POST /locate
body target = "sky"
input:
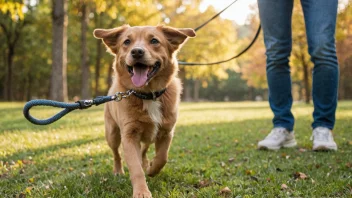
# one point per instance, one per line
(238, 12)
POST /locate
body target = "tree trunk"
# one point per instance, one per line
(58, 82)
(109, 78)
(98, 58)
(341, 90)
(196, 90)
(300, 91)
(85, 92)
(29, 88)
(187, 92)
(3, 78)
(306, 80)
(8, 83)
(182, 76)
(97, 67)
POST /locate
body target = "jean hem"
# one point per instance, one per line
(322, 125)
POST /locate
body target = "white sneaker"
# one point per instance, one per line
(277, 138)
(323, 140)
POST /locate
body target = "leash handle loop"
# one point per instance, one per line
(68, 108)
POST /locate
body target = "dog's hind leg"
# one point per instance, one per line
(162, 145)
(113, 137)
(145, 161)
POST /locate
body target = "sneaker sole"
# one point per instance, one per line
(269, 148)
(325, 148)
(289, 144)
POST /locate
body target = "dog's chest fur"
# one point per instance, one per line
(153, 108)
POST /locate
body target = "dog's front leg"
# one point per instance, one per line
(162, 145)
(132, 154)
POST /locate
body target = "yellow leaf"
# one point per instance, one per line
(28, 190)
(249, 172)
(20, 163)
(3, 7)
(31, 180)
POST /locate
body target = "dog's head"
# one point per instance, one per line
(144, 54)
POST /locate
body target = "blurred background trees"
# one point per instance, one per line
(32, 66)
(58, 82)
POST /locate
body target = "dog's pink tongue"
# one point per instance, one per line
(140, 76)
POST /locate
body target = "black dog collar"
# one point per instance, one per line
(149, 96)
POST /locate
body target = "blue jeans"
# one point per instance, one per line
(320, 22)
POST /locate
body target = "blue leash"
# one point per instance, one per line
(68, 107)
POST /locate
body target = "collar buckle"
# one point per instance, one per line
(154, 96)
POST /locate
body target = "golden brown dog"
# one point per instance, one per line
(145, 62)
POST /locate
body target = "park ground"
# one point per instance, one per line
(214, 147)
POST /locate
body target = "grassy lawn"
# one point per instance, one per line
(214, 147)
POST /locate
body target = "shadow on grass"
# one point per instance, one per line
(22, 124)
(49, 149)
(249, 108)
(73, 120)
(12, 118)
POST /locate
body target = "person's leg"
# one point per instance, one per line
(275, 17)
(320, 19)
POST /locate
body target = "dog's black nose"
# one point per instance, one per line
(137, 52)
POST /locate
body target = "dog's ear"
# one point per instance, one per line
(110, 36)
(177, 36)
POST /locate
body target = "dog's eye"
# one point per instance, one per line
(127, 42)
(154, 41)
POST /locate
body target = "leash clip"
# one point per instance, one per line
(121, 95)
(85, 104)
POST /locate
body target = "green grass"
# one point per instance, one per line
(214, 147)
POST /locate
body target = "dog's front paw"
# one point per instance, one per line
(142, 194)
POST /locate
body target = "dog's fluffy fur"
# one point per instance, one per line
(134, 122)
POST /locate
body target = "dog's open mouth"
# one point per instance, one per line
(142, 73)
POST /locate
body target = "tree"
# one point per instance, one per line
(253, 63)
(12, 23)
(85, 73)
(344, 50)
(58, 83)
(210, 44)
